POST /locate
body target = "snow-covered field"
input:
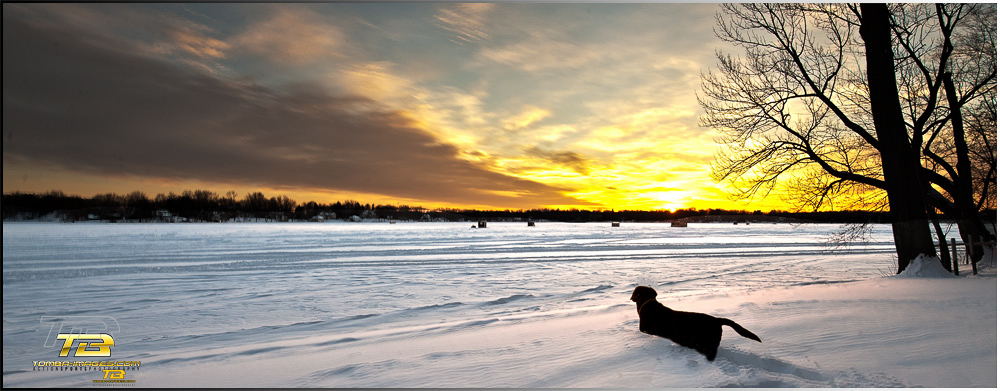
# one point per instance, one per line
(443, 305)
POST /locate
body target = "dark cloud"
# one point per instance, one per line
(568, 159)
(91, 104)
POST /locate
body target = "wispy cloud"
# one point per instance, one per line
(569, 159)
(192, 40)
(542, 55)
(526, 118)
(467, 21)
(291, 35)
(375, 80)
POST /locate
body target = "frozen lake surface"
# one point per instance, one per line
(443, 305)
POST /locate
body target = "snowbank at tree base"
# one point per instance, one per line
(926, 266)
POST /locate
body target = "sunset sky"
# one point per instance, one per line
(517, 106)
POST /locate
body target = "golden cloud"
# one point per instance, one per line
(291, 35)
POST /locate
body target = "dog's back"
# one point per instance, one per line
(693, 330)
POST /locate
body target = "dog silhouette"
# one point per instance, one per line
(701, 332)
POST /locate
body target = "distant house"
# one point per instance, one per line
(355, 218)
(165, 216)
(318, 219)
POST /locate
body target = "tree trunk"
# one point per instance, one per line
(900, 163)
(969, 224)
(942, 241)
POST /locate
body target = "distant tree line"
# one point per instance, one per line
(707, 215)
(204, 205)
(200, 205)
(191, 205)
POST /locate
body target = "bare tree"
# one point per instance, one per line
(947, 67)
(838, 105)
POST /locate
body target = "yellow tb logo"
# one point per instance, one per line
(88, 345)
(114, 374)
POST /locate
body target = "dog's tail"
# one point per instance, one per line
(739, 329)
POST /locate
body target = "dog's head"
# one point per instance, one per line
(643, 293)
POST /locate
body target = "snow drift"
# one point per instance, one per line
(926, 266)
(440, 305)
